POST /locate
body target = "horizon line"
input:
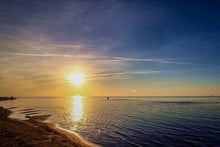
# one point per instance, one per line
(125, 96)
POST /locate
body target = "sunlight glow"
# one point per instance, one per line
(77, 108)
(77, 79)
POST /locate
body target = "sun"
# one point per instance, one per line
(77, 79)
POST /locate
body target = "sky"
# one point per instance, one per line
(123, 47)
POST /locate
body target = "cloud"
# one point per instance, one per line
(101, 58)
(43, 46)
(122, 73)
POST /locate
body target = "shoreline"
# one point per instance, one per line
(34, 132)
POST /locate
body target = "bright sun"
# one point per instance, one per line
(77, 79)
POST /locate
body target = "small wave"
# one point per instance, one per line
(11, 108)
(186, 102)
(28, 109)
(32, 111)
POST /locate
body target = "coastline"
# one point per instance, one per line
(34, 132)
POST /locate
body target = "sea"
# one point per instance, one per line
(129, 121)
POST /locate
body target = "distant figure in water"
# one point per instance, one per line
(107, 98)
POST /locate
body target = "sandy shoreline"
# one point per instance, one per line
(34, 132)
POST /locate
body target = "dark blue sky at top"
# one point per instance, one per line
(128, 28)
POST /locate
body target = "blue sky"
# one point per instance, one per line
(125, 43)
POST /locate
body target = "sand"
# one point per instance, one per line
(34, 132)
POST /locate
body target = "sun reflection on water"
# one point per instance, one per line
(77, 108)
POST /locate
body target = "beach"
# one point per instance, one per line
(34, 132)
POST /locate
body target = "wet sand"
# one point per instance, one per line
(34, 132)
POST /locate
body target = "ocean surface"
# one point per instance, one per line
(130, 121)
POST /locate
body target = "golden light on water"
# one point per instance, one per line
(77, 108)
(77, 79)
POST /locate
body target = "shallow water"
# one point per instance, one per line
(130, 121)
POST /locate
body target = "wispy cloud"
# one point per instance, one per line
(31, 46)
(142, 59)
(123, 73)
(97, 58)
(37, 55)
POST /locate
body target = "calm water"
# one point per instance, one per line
(131, 121)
